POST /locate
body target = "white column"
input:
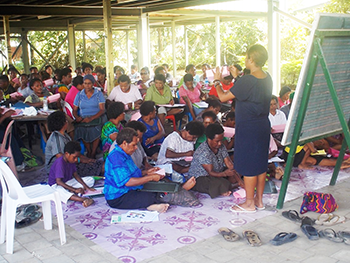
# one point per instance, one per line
(186, 46)
(272, 47)
(107, 24)
(128, 56)
(277, 53)
(217, 41)
(173, 37)
(143, 41)
(71, 46)
(84, 46)
(7, 40)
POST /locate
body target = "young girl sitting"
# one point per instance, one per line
(115, 114)
(36, 99)
(154, 136)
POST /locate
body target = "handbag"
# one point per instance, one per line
(318, 202)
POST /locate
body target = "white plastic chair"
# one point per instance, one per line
(68, 108)
(8, 152)
(15, 195)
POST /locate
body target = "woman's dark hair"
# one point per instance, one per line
(12, 68)
(273, 97)
(47, 66)
(206, 65)
(147, 107)
(213, 129)
(32, 81)
(137, 126)
(231, 115)
(237, 66)
(115, 109)
(78, 80)
(56, 121)
(85, 65)
(209, 114)
(64, 72)
(156, 72)
(189, 66)
(72, 147)
(284, 90)
(188, 77)
(126, 134)
(195, 128)
(44, 75)
(119, 68)
(101, 71)
(4, 78)
(258, 54)
(124, 78)
(145, 69)
(215, 103)
(159, 77)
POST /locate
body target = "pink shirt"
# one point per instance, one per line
(194, 95)
(72, 93)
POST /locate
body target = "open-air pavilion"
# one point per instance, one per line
(88, 15)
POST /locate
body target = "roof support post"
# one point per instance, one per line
(173, 38)
(217, 41)
(186, 45)
(107, 24)
(84, 46)
(25, 54)
(128, 56)
(7, 39)
(273, 21)
(143, 41)
(71, 46)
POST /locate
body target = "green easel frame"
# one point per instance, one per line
(317, 56)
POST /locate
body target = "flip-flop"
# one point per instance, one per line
(310, 232)
(331, 235)
(252, 238)
(228, 234)
(282, 238)
(292, 215)
(345, 235)
(307, 221)
(35, 216)
(241, 209)
(30, 209)
(23, 223)
(330, 219)
(260, 208)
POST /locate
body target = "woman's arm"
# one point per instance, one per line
(189, 105)
(223, 95)
(135, 181)
(209, 169)
(75, 114)
(158, 136)
(171, 154)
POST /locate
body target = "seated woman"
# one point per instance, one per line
(36, 98)
(145, 80)
(229, 121)
(209, 117)
(154, 136)
(123, 178)
(190, 94)
(180, 144)
(226, 83)
(212, 166)
(213, 105)
(24, 88)
(91, 106)
(160, 93)
(115, 114)
(127, 93)
(284, 96)
(57, 124)
(276, 117)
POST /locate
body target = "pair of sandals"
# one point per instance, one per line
(27, 215)
(329, 219)
(306, 223)
(337, 237)
(252, 237)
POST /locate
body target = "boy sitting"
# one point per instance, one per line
(61, 176)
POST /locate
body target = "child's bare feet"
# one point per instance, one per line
(189, 183)
(226, 194)
(345, 165)
(87, 202)
(160, 208)
(306, 167)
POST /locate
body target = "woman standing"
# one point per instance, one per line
(91, 105)
(253, 95)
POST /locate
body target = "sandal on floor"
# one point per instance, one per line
(330, 219)
(310, 232)
(345, 235)
(228, 234)
(307, 221)
(252, 238)
(292, 215)
(331, 235)
(282, 238)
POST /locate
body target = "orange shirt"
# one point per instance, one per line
(225, 87)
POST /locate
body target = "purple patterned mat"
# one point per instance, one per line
(179, 226)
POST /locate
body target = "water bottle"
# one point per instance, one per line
(45, 105)
(206, 83)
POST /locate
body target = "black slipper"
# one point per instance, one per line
(310, 232)
(331, 235)
(23, 223)
(282, 238)
(307, 221)
(292, 215)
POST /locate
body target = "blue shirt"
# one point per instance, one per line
(89, 107)
(119, 168)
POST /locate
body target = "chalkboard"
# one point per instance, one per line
(321, 118)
